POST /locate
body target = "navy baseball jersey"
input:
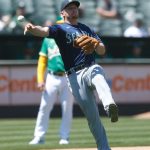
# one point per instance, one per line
(64, 35)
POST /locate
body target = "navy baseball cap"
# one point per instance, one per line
(66, 3)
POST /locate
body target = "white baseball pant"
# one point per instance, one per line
(55, 88)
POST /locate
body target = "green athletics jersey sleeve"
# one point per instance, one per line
(50, 49)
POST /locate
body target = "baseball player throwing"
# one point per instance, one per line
(77, 43)
(54, 88)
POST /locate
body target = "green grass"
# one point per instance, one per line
(16, 133)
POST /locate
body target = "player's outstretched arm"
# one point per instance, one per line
(36, 30)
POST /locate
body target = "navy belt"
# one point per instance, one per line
(77, 68)
(57, 73)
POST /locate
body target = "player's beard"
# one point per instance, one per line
(74, 17)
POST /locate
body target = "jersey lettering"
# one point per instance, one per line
(71, 36)
(53, 52)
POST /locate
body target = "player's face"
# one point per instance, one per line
(70, 12)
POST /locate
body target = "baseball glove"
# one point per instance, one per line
(86, 43)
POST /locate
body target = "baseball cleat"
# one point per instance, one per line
(113, 112)
(63, 142)
(37, 140)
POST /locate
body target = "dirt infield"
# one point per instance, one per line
(113, 148)
(145, 115)
(132, 148)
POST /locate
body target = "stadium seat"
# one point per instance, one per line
(128, 2)
(47, 11)
(110, 27)
(50, 9)
(5, 7)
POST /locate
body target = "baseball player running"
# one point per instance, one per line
(77, 43)
(55, 87)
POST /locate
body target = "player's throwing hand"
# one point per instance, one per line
(29, 28)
